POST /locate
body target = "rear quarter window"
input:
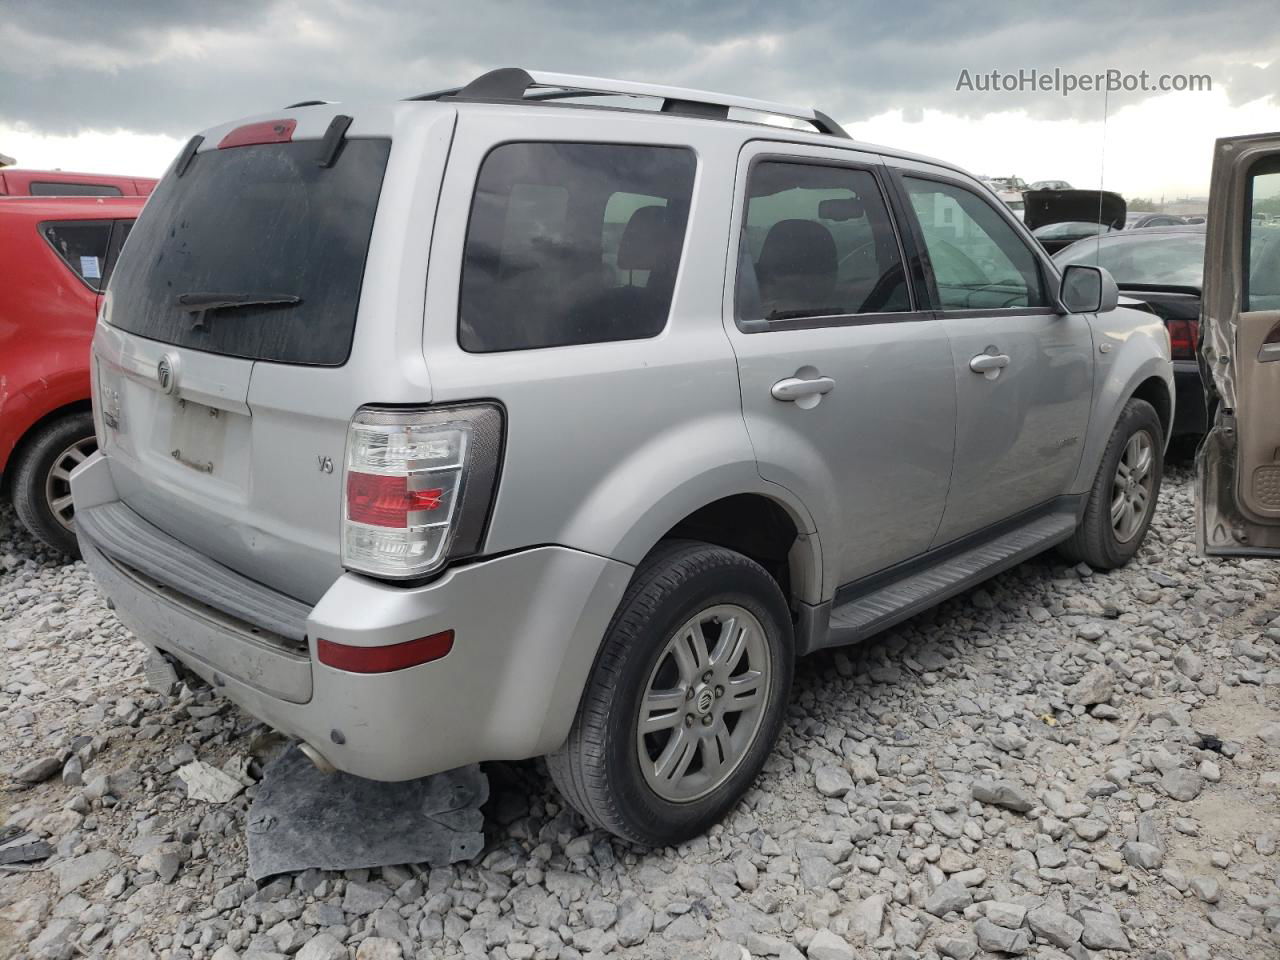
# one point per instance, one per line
(82, 246)
(572, 243)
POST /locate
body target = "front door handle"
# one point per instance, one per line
(798, 389)
(989, 364)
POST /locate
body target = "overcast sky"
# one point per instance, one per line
(117, 87)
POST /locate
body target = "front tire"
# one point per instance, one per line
(42, 483)
(686, 698)
(1123, 498)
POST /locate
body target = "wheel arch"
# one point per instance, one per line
(21, 441)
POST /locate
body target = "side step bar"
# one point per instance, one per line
(862, 615)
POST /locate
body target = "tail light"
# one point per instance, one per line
(418, 486)
(1184, 336)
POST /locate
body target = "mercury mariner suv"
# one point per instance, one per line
(557, 416)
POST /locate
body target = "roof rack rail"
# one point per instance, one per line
(308, 103)
(513, 83)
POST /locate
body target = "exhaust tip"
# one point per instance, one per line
(317, 758)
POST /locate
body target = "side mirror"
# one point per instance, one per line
(1087, 289)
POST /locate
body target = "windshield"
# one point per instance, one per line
(1172, 259)
(254, 252)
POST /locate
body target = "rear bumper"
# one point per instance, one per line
(1189, 415)
(527, 626)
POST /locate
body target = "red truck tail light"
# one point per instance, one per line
(418, 486)
(1184, 336)
(265, 131)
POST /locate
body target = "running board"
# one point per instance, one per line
(860, 616)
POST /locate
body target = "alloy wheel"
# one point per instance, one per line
(1131, 487)
(57, 485)
(704, 703)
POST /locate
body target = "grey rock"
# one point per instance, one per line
(949, 897)
(957, 948)
(1101, 931)
(999, 939)
(38, 771)
(1055, 926)
(1006, 914)
(1229, 924)
(867, 918)
(634, 923)
(1087, 829)
(55, 941)
(164, 860)
(825, 945)
(832, 781)
(1094, 687)
(1206, 888)
(322, 946)
(78, 871)
(1002, 793)
(362, 899)
(1182, 784)
(1188, 663)
(378, 948)
(1144, 855)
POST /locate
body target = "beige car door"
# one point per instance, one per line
(1238, 466)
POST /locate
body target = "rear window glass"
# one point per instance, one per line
(573, 243)
(1175, 259)
(42, 189)
(259, 223)
(82, 245)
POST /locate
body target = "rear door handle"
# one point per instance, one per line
(989, 364)
(796, 388)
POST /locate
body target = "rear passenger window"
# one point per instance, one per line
(573, 243)
(82, 246)
(979, 261)
(817, 242)
(41, 189)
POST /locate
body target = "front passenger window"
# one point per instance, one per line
(978, 261)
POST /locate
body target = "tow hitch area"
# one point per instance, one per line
(303, 818)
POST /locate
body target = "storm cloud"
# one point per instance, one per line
(175, 66)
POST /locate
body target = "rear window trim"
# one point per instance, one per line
(109, 223)
(471, 209)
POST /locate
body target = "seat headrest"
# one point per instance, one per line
(798, 258)
(646, 242)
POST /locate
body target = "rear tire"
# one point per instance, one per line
(662, 662)
(1111, 530)
(41, 491)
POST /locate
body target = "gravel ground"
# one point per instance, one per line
(1062, 763)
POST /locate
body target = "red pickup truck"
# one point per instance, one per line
(62, 183)
(58, 253)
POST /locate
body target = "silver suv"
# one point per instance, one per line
(527, 419)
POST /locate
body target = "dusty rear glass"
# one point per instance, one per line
(261, 222)
(573, 243)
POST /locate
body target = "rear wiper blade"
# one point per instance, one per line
(201, 302)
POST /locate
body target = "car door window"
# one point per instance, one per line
(1262, 292)
(978, 260)
(817, 241)
(82, 246)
